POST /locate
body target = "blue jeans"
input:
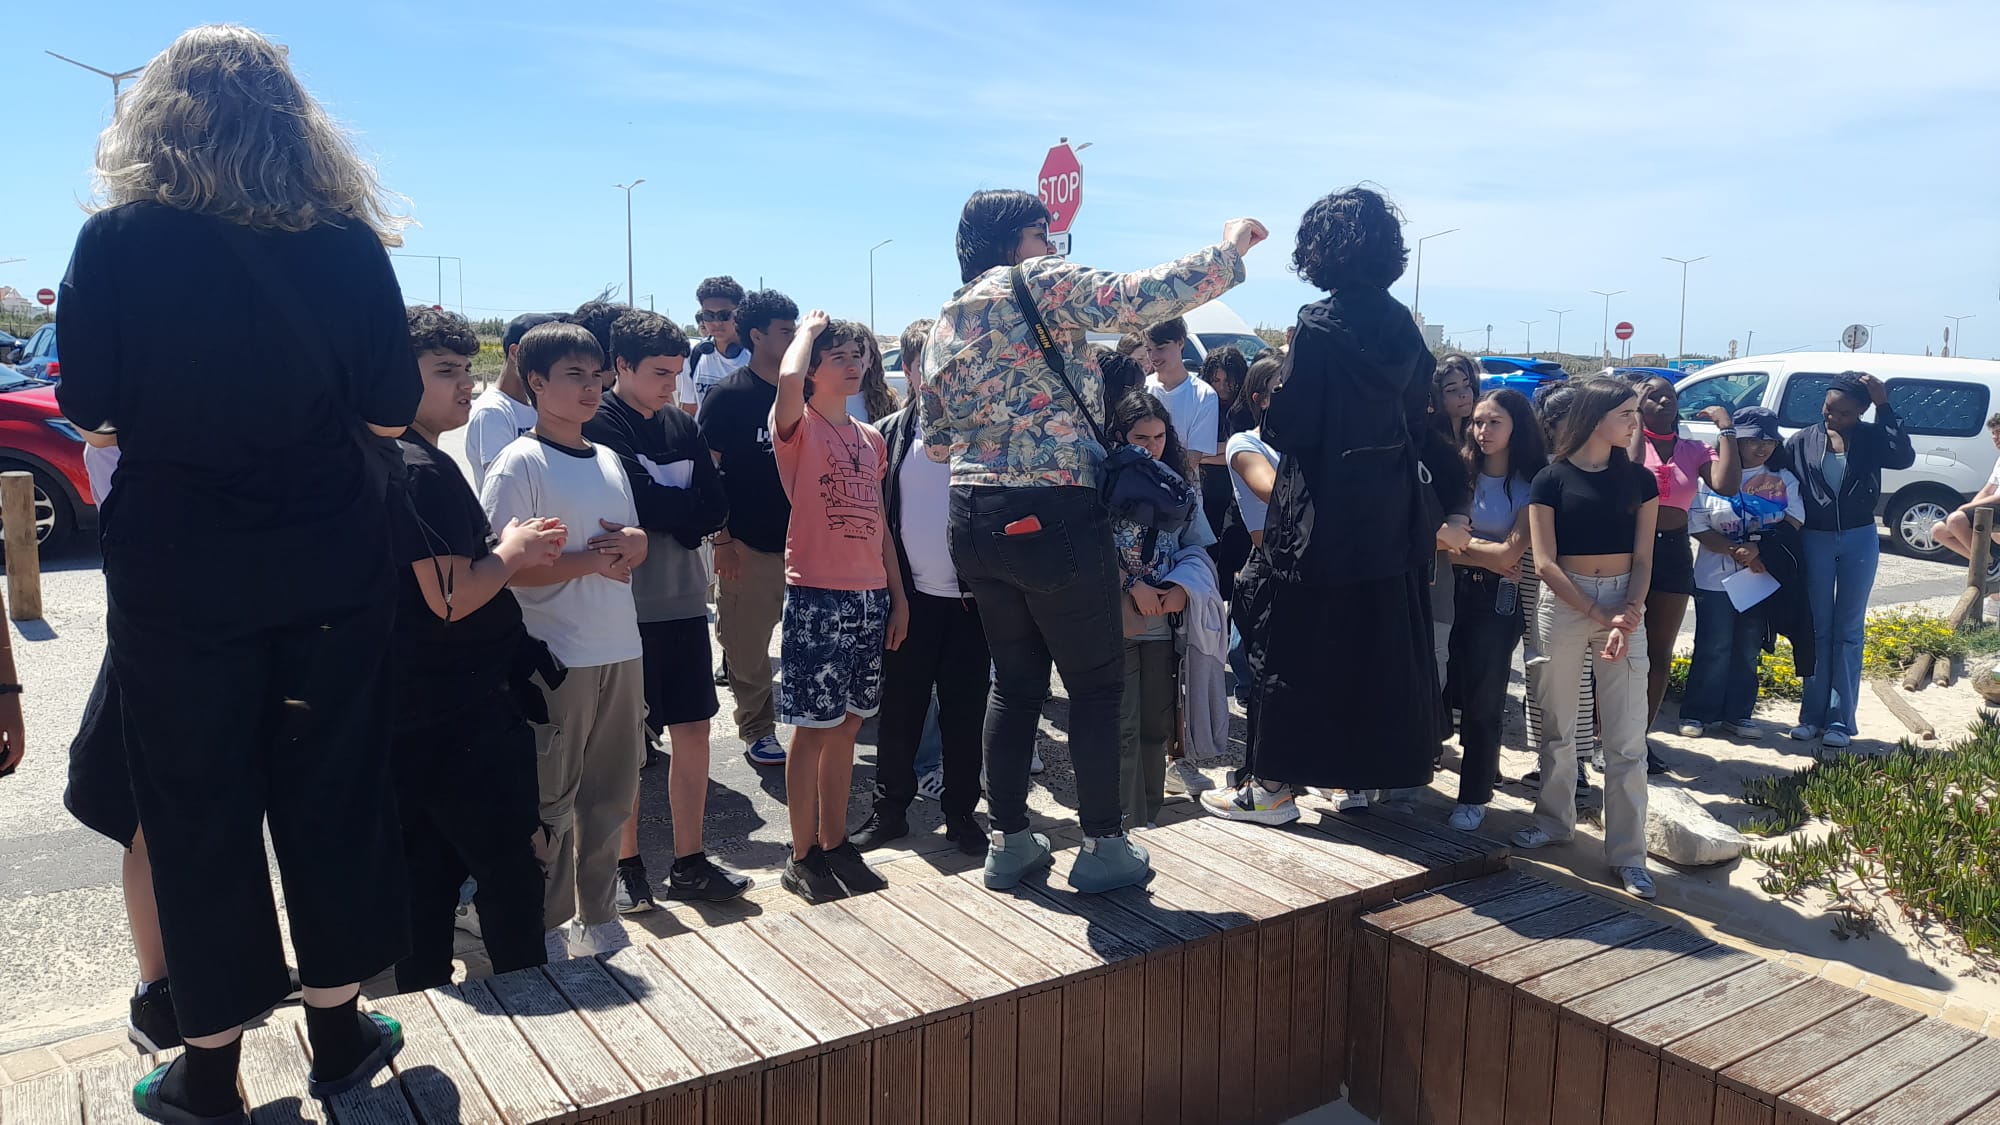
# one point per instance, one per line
(1840, 574)
(930, 747)
(1722, 678)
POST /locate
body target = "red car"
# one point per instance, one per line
(36, 437)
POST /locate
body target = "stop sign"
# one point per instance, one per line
(47, 297)
(1061, 187)
(1623, 331)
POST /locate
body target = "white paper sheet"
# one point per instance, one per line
(1748, 587)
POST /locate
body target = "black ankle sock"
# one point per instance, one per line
(631, 861)
(688, 862)
(203, 1080)
(340, 1036)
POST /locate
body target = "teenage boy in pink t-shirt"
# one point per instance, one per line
(841, 610)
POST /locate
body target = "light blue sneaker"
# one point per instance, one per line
(1013, 856)
(1106, 863)
(767, 751)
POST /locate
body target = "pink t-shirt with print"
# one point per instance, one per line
(833, 475)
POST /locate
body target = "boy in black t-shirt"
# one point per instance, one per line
(464, 754)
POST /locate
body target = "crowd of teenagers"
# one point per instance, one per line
(425, 683)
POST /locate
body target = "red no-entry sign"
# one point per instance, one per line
(1623, 331)
(47, 297)
(1061, 187)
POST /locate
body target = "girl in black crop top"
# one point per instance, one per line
(1592, 510)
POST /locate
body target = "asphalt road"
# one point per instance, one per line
(65, 959)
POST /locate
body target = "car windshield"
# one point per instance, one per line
(11, 380)
(1243, 342)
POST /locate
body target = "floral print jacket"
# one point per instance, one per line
(989, 399)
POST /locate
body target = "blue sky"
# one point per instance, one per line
(1836, 162)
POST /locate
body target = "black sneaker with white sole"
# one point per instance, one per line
(852, 870)
(965, 830)
(698, 879)
(151, 1026)
(635, 891)
(810, 878)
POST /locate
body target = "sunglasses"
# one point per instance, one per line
(714, 314)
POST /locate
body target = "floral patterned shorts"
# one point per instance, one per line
(830, 661)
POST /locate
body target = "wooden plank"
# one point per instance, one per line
(1202, 1016)
(1835, 1039)
(655, 1063)
(1181, 850)
(1686, 1097)
(1380, 876)
(872, 1002)
(1707, 1005)
(915, 982)
(1912, 719)
(1956, 1088)
(1449, 862)
(1039, 1077)
(1332, 1071)
(1442, 1078)
(1368, 976)
(682, 1108)
(1743, 1034)
(1732, 1108)
(1606, 1006)
(1484, 916)
(791, 1093)
(272, 1071)
(1350, 831)
(798, 995)
(948, 1071)
(1611, 966)
(1309, 993)
(898, 1092)
(46, 1099)
(509, 1071)
(107, 1090)
(1125, 1021)
(1275, 855)
(751, 1016)
(1403, 1032)
(1631, 1087)
(1489, 1009)
(1576, 1089)
(845, 1093)
(1888, 1066)
(1548, 955)
(1236, 1039)
(736, 1101)
(1008, 927)
(1142, 905)
(1272, 1100)
(589, 1075)
(1426, 905)
(1499, 940)
(1165, 988)
(921, 944)
(1088, 922)
(995, 1045)
(1439, 829)
(711, 1045)
(1988, 1114)
(1531, 1062)
(1222, 901)
(441, 1085)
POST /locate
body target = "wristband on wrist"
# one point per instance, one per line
(10, 689)
(1729, 432)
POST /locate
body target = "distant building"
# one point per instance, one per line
(1433, 333)
(13, 303)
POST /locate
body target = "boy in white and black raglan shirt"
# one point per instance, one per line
(501, 413)
(723, 353)
(678, 493)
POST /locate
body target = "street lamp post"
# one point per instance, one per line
(1681, 345)
(1530, 353)
(1559, 327)
(1417, 302)
(1958, 331)
(630, 297)
(1605, 339)
(117, 80)
(1871, 336)
(441, 259)
(871, 281)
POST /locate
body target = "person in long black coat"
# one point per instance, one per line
(1349, 690)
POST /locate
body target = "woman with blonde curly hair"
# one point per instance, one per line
(246, 548)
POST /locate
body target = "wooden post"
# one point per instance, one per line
(1982, 556)
(24, 554)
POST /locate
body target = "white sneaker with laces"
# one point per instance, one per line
(1184, 776)
(1803, 733)
(1532, 837)
(1035, 765)
(1253, 803)
(1345, 799)
(1468, 818)
(1743, 728)
(555, 943)
(1835, 738)
(467, 918)
(1638, 882)
(598, 940)
(931, 786)
(1693, 730)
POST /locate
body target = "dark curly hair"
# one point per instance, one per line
(836, 333)
(437, 330)
(1121, 373)
(724, 287)
(990, 228)
(639, 335)
(758, 309)
(1351, 239)
(598, 316)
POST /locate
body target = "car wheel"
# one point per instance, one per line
(53, 520)
(1913, 517)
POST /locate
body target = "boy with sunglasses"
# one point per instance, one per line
(719, 356)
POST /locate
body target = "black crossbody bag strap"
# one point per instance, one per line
(1050, 354)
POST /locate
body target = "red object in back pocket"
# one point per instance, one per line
(1027, 526)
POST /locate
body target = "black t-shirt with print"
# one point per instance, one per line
(736, 423)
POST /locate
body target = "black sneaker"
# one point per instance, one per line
(965, 830)
(852, 870)
(699, 880)
(635, 891)
(151, 1026)
(296, 989)
(722, 673)
(811, 878)
(880, 829)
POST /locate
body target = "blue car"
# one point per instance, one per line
(1517, 373)
(38, 355)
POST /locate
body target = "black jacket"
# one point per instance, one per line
(1871, 447)
(1787, 613)
(900, 434)
(688, 514)
(1349, 416)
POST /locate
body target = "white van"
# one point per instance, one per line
(1213, 325)
(1944, 404)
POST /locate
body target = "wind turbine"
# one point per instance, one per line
(117, 80)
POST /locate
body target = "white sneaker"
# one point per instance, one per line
(1638, 881)
(1035, 766)
(1744, 728)
(1184, 776)
(1467, 818)
(555, 943)
(467, 919)
(1693, 730)
(1835, 738)
(931, 786)
(1533, 837)
(1804, 733)
(1254, 803)
(1345, 799)
(598, 940)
